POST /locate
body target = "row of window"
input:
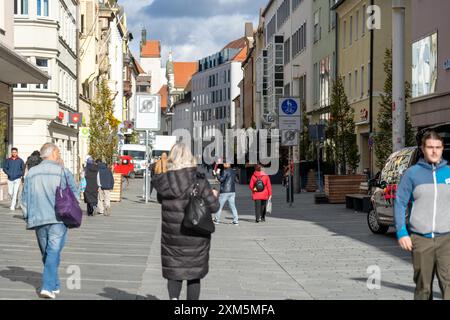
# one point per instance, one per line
(283, 13)
(218, 113)
(299, 40)
(213, 80)
(21, 7)
(355, 82)
(357, 27)
(43, 64)
(210, 131)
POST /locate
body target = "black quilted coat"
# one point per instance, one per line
(184, 255)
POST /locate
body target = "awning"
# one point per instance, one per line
(16, 69)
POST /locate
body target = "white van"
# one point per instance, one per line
(137, 152)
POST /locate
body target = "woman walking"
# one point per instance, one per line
(261, 192)
(184, 254)
(91, 191)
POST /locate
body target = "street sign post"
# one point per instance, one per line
(290, 125)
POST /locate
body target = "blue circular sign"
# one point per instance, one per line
(289, 106)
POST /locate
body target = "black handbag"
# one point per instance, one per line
(197, 217)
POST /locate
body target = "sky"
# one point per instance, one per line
(192, 29)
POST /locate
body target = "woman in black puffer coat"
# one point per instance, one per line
(184, 254)
(91, 192)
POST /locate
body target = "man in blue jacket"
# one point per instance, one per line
(427, 186)
(14, 169)
(227, 193)
(38, 207)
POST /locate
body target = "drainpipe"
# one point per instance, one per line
(372, 42)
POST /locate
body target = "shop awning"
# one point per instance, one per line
(16, 69)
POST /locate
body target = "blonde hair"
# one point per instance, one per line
(180, 157)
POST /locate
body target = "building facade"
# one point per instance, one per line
(214, 88)
(361, 54)
(56, 53)
(14, 69)
(431, 63)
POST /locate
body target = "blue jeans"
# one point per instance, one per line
(51, 239)
(223, 198)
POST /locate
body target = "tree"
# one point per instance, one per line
(103, 126)
(341, 130)
(383, 137)
(305, 143)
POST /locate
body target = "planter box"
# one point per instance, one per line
(3, 186)
(336, 187)
(116, 193)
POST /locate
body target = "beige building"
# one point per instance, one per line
(360, 54)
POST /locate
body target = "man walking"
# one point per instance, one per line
(427, 185)
(227, 193)
(38, 206)
(14, 169)
(105, 181)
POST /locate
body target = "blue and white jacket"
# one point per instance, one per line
(428, 187)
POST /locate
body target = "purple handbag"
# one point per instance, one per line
(67, 207)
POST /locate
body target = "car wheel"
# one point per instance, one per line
(132, 175)
(374, 226)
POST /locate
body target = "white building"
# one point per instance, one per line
(116, 67)
(46, 33)
(150, 61)
(215, 86)
(285, 67)
(13, 69)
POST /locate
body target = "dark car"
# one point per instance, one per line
(384, 186)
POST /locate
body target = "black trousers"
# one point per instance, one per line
(260, 209)
(193, 289)
(90, 208)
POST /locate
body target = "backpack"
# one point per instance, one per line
(259, 185)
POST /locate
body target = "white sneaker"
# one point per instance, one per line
(12, 209)
(57, 291)
(47, 294)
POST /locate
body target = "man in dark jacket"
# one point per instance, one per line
(14, 168)
(105, 181)
(227, 193)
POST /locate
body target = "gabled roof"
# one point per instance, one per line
(164, 92)
(151, 49)
(236, 44)
(183, 72)
(241, 56)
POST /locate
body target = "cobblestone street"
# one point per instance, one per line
(305, 252)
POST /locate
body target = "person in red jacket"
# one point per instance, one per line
(261, 192)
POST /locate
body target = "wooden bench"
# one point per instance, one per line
(359, 201)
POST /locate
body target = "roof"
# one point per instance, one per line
(164, 92)
(241, 56)
(236, 44)
(267, 8)
(138, 66)
(183, 72)
(16, 69)
(337, 4)
(151, 49)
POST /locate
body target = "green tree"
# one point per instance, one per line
(305, 142)
(383, 136)
(103, 126)
(341, 130)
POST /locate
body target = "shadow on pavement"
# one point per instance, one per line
(403, 287)
(117, 294)
(20, 274)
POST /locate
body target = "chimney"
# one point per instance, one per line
(249, 34)
(143, 37)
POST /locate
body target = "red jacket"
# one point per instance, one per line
(267, 192)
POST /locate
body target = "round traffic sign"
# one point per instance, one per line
(289, 106)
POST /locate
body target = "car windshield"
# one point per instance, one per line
(137, 155)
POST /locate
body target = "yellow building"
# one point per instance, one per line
(364, 33)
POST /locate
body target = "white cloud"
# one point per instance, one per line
(191, 37)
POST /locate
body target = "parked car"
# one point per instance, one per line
(384, 186)
(125, 166)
